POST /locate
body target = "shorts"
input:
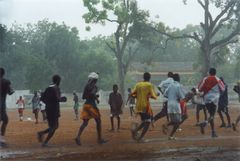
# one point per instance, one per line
(145, 117)
(223, 109)
(175, 117)
(200, 107)
(211, 107)
(183, 106)
(20, 110)
(36, 110)
(89, 112)
(53, 122)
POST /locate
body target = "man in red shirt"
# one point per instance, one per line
(211, 86)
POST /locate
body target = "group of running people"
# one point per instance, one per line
(211, 91)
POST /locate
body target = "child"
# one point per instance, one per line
(115, 101)
(76, 106)
(35, 105)
(198, 101)
(131, 102)
(20, 105)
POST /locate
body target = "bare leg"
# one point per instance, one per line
(119, 121)
(205, 113)
(221, 117)
(82, 127)
(175, 127)
(112, 123)
(228, 119)
(197, 114)
(144, 131)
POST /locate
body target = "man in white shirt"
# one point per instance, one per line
(163, 86)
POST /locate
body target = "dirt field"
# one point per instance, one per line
(189, 146)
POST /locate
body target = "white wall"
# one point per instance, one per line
(12, 99)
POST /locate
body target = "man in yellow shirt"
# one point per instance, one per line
(143, 91)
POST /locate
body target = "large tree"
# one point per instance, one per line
(208, 39)
(127, 17)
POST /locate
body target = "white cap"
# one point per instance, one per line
(93, 75)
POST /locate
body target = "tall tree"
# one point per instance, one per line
(211, 44)
(127, 17)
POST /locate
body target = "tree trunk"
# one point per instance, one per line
(121, 77)
(206, 52)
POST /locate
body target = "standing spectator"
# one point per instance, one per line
(115, 101)
(5, 86)
(211, 86)
(35, 105)
(21, 106)
(130, 102)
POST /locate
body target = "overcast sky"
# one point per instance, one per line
(172, 12)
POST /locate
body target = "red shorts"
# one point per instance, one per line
(20, 110)
(183, 106)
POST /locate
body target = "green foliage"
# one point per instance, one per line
(33, 54)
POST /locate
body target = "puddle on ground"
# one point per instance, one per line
(11, 154)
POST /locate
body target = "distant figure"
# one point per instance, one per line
(115, 101)
(211, 86)
(223, 106)
(131, 102)
(35, 105)
(5, 88)
(21, 106)
(51, 97)
(76, 105)
(143, 91)
(174, 93)
(198, 101)
(163, 86)
(237, 90)
(43, 110)
(42, 106)
(90, 109)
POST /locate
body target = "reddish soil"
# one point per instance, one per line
(190, 145)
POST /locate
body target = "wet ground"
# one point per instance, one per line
(189, 146)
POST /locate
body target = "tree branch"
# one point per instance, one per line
(222, 13)
(110, 47)
(220, 24)
(195, 36)
(200, 2)
(228, 38)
